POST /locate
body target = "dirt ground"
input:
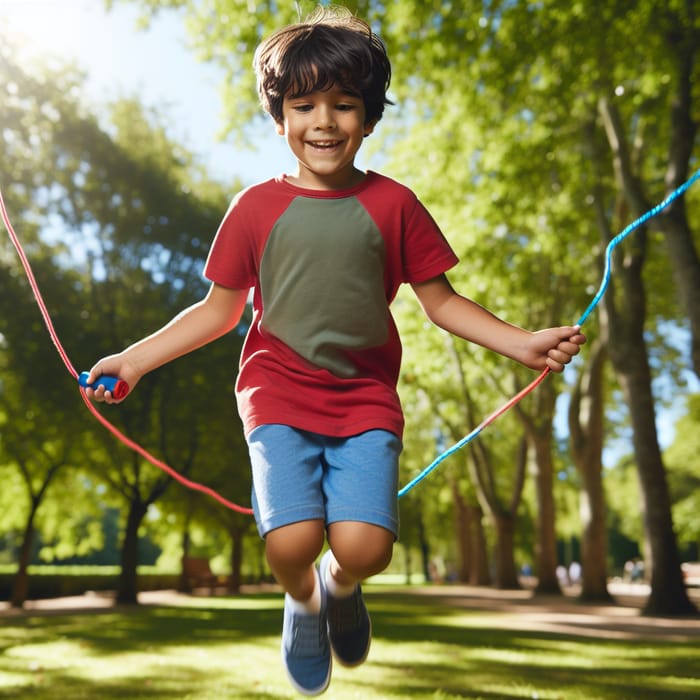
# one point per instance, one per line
(514, 610)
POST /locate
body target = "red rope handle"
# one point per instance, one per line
(66, 361)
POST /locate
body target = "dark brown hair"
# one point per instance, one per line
(331, 47)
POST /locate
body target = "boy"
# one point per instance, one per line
(325, 250)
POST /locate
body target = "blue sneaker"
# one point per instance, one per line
(349, 626)
(305, 651)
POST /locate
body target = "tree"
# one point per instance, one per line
(625, 319)
(34, 412)
(586, 417)
(172, 409)
(136, 206)
(499, 497)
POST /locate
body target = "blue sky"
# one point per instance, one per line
(155, 65)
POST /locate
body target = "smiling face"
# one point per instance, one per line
(324, 130)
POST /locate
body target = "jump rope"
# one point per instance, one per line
(120, 388)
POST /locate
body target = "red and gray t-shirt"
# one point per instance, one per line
(323, 353)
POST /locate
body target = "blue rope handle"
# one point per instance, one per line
(599, 295)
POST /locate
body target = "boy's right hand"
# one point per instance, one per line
(114, 366)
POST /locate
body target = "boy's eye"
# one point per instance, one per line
(302, 108)
(345, 107)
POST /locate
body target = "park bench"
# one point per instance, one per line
(691, 573)
(196, 573)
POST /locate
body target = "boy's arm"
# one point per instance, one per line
(198, 325)
(552, 347)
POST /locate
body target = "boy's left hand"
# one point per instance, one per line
(554, 347)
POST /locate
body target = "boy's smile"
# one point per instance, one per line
(324, 130)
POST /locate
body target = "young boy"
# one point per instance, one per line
(325, 250)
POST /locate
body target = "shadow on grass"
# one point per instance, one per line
(212, 649)
(478, 661)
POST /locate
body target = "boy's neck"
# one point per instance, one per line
(337, 181)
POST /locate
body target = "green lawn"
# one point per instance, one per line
(424, 647)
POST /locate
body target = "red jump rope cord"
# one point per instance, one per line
(66, 361)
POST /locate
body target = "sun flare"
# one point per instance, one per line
(43, 27)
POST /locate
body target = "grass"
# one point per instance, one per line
(423, 647)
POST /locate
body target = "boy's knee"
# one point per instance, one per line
(298, 544)
(361, 549)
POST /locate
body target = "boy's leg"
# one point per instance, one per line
(289, 512)
(358, 550)
(291, 552)
(360, 485)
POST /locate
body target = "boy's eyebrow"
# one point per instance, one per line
(345, 90)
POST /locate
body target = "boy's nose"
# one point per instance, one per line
(325, 119)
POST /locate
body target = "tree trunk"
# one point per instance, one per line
(20, 586)
(473, 562)
(233, 584)
(506, 576)
(423, 544)
(546, 542)
(668, 593)
(538, 430)
(628, 352)
(20, 582)
(463, 533)
(127, 591)
(586, 412)
(626, 314)
(186, 540)
(538, 427)
(480, 571)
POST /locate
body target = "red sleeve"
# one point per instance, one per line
(234, 256)
(426, 252)
(416, 248)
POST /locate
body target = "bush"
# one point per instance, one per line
(60, 581)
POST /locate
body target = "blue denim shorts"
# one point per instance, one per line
(298, 475)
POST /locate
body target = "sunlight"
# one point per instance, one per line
(44, 27)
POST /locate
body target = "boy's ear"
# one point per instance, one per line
(369, 126)
(279, 127)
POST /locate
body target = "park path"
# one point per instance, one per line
(512, 609)
(621, 619)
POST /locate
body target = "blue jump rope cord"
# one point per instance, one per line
(594, 302)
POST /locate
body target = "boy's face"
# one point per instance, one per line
(324, 131)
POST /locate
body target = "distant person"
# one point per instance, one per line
(574, 572)
(637, 570)
(325, 249)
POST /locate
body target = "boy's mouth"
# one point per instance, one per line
(324, 145)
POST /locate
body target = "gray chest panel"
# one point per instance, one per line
(322, 281)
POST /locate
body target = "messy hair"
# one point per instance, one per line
(332, 46)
